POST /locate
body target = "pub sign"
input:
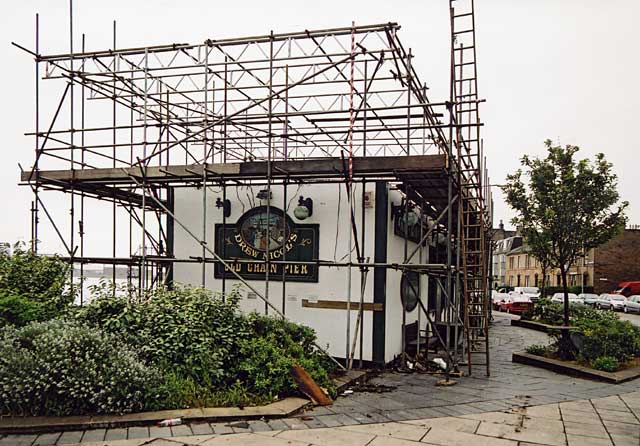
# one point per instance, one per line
(260, 233)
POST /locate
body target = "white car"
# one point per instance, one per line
(573, 298)
(632, 304)
(497, 297)
(532, 292)
(589, 298)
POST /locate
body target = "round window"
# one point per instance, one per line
(409, 290)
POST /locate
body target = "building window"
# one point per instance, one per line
(510, 280)
(558, 280)
(526, 280)
(518, 280)
(535, 278)
(573, 280)
(510, 262)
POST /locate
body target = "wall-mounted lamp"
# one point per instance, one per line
(225, 205)
(264, 196)
(397, 211)
(304, 209)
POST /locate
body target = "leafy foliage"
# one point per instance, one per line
(617, 339)
(274, 347)
(32, 287)
(186, 330)
(598, 338)
(606, 364)
(566, 207)
(60, 367)
(552, 313)
(537, 349)
(210, 353)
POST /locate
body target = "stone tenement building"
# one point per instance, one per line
(603, 268)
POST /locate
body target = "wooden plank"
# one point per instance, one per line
(324, 167)
(341, 305)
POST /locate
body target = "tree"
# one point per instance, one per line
(566, 207)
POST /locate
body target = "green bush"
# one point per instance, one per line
(612, 338)
(606, 364)
(187, 330)
(32, 287)
(294, 341)
(537, 349)
(18, 310)
(60, 367)
(552, 313)
(208, 351)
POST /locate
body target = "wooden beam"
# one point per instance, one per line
(341, 305)
(323, 167)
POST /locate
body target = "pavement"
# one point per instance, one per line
(514, 393)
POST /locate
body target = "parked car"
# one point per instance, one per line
(628, 288)
(611, 302)
(559, 298)
(497, 297)
(532, 291)
(516, 303)
(632, 304)
(589, 298)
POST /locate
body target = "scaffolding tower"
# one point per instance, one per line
(341, 105)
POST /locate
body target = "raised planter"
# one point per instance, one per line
(279, 409)
(32, 425)
(568, 368)
(538, 326)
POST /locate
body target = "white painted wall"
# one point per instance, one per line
(331, 213)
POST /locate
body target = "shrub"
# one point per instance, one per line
(32, 287)
(610, 338)
(18, 310)
(296, 342)
(180, 391)
(209, 352)
(606, 364)
(552, 313)
(537, 349)
(60, 367)
(187, 330)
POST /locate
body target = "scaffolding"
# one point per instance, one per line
(342, 105)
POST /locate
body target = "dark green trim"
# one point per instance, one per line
(380, 273)
(170, 234)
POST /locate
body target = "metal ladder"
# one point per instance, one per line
(473, 234)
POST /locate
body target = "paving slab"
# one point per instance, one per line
(579, 440)
(450, 424)
(250, 440)
(46, 439)
(400, 431)
(541, 436)
(328, 437)
(76, 437)
(439, 436)
(201, 428)
(93, 435)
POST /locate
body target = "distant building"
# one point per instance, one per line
(504, 240)
(602, 268)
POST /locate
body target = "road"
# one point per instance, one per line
(631, 317)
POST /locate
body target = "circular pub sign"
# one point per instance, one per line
(261, 230)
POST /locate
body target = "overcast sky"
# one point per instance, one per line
(558, 69)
